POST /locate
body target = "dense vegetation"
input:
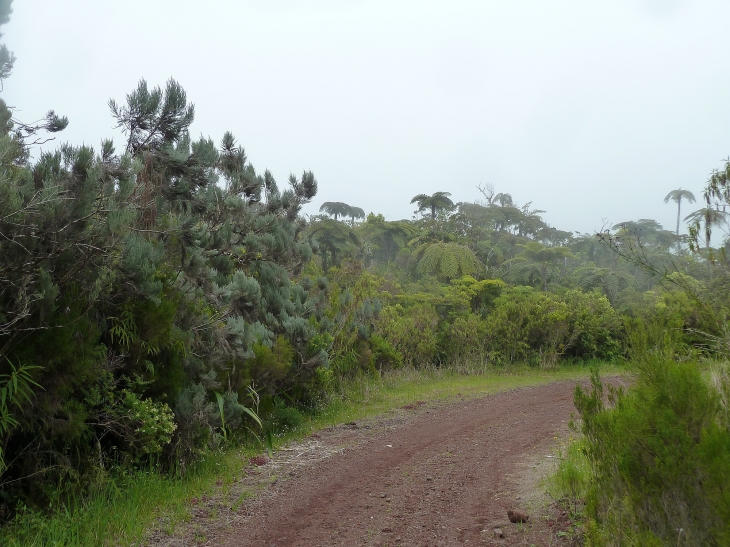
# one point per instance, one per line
(160, 298)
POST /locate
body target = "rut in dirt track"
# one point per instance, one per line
(446, 477)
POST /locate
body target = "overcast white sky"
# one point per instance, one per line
(592, 110)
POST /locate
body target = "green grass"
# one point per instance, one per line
(368, 396)
(569, 484)
(120, 512)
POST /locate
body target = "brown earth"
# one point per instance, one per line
(427, 475)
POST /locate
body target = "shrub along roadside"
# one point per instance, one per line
(123, 509)
(659, 456)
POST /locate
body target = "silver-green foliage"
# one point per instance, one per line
(143, 282)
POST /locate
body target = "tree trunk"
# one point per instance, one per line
(679, 206)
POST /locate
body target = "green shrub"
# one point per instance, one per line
(385, 357)
(538, 327)
(527, 325)
(466, 338)
(270, 366)
(285, 418)
(411, 332)
(660, 458)
(595, 326)
(154, 423)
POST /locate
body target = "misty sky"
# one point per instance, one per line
(591, 110)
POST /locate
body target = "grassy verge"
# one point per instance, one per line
(123, 509)
(368, 396)
(569, 484)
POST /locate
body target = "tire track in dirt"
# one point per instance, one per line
(446, 476)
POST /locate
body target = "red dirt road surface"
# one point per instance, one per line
(443, 475)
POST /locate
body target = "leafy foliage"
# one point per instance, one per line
(332, 239)
(677, 196)
(448, 260)
(539, 327)
(660, 458)
(337, 208)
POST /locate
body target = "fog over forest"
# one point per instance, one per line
(591, 111)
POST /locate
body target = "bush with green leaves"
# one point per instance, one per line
(539, 327)
(596, 327)
(466, 339)
(285, 417)
(410, 332)
(447, 260)
(154, 421)
(660, 458)
(527, 325)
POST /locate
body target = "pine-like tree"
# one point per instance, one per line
(141, 285)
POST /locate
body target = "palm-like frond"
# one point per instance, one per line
(521, 272)
(449, 260)
(710, 218)
(330, 230)
(678, 195)
(534, 251)
(419, 198)
(590, 277)
(708, 215)
(504, 199)
(335, 208)
(328, 236)
(435, 202)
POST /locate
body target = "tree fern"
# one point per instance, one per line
(437, 202)
(448, 260)
(336, 208)
(521, 272)
(330, 236)
(591, 277)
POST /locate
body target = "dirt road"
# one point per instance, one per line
(437, 475)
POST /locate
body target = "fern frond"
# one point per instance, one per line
(519, 271)
(449, 264)
(449, 260)
(430, 259)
